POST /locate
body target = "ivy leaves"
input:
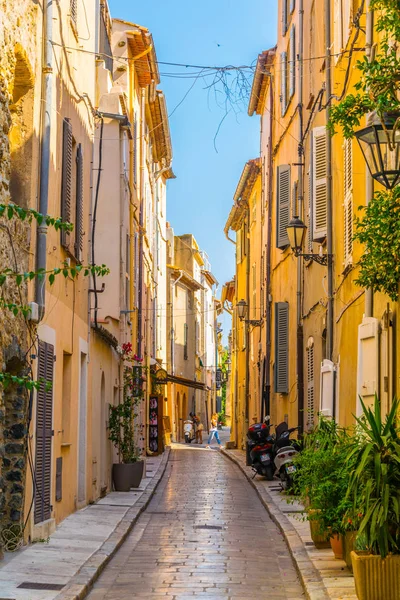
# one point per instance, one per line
(7, 379)
(379, 231)
(11, 210)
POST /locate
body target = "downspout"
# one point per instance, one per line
(141, 224)
(247, 332)
(47, 81)
(300, 210)
(328, 88)
(369, 190)
(269, 238)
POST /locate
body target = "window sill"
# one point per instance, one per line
(66, 444)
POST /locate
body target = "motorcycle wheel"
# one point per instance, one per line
(187, 439)
(269, 473)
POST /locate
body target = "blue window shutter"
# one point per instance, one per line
(282, 206)
(281, 379)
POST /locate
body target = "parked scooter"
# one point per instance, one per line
(188, 430)
(259, 449)
(285, 450)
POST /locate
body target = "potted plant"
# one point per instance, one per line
(375, 485)
(322, 480)
(128, 472)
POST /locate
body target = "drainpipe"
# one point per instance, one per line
(369, 293)
(47, 81)
(141, 224)
(300, 204)
(247, 332)
(269, 238)
(328, 84)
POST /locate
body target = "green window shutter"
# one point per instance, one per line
(79, 205)
(281, 347)
(66, 180)
(283, 206)
(284, 100)
(292, 65)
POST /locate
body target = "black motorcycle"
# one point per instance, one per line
(259, 449)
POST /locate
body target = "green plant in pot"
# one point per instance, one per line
(375, 487)
(322, 481)
(128, 472)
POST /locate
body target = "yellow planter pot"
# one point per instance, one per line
(320, 540)
(376, 578)
(349, 545)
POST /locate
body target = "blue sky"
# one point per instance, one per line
(211, 32)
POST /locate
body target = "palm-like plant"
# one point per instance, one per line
(375, 481)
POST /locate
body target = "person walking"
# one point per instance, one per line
(198, 428)
(214, 431)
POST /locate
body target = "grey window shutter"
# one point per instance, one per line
(44, 422)
(284, 17)
(292, 66)
(283, 206)
(185, 342)
(281, 347)
(135, 150)
(79, 205)
(283, 82)
(310, 387)
(66, 180)
(319, 183)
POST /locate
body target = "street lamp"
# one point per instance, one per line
(296, 231)
(242, 308)
(380, 145)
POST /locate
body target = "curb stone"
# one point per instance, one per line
(309, 576)
(81, 583)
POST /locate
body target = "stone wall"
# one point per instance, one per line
(18, 62)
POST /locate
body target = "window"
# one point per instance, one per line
(310, 385)
(254, 208)
(185, 342)
(288, 7)
(254, 290)
(239, 235)
(281, 378)
(72, 185)
(310, 212)
(348, 202)
(283, 206)
(343, 14)
(288, 72)
(105, 37)
(319, 183)
(73, 7)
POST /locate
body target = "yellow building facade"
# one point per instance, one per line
(326, 341)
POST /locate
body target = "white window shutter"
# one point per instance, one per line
(292, 63)
(337, 29)
(348, 202)
(310, 386)
(367, 363)
(283, 206)
(319, 183)
(284, 99)
(239, 246)
(310, 212)
(328, 374)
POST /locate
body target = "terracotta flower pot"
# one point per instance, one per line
(127, 476)
(376, 578)
(336, 542)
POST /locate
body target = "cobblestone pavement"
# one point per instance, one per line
(204, 535)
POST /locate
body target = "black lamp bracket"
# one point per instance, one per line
(321, 259)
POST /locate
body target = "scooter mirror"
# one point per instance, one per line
(267, 418)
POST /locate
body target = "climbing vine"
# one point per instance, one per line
(378, 92)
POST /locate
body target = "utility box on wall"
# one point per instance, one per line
(367, 362)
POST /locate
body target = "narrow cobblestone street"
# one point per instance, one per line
(205, 535)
